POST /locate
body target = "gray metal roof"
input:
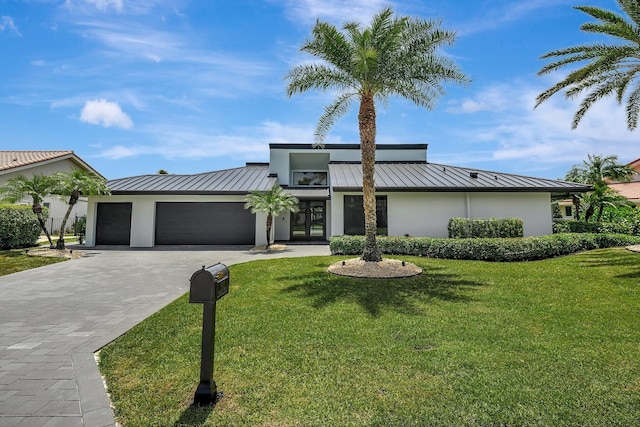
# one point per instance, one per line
(243, 180)
(437, 177)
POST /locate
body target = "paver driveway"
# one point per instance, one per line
(53, 319)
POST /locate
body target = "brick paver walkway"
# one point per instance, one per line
(53, 319)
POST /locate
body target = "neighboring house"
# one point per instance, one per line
(629, 190)
(28, 163)
(415, 198)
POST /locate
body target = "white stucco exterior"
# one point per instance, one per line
(143, 213)
(414, 210)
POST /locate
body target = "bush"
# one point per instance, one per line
(461, 228)
(19, 227)
(485, 249)
(621, 227)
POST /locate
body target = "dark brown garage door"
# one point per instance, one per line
(113, 224)
(204, 224)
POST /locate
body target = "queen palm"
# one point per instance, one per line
(36, 188)
(273, 203)
(74, 184)
(393, 56)
(610, 69)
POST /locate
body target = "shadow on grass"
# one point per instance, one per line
(194, 416)
(626, 261)
(376, 295)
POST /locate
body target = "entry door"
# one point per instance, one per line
(310, 222)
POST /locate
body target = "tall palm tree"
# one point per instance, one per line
(599, 171)
(74, 184)
(393, 56)
(37, 188)
(610, 69)
(273, 203)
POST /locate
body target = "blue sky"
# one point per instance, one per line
(192, 86)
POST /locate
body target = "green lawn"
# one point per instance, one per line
(14, 261)
(547, 343)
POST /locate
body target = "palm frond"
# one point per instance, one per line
(317, 76)
(633, 107)
(331, 114)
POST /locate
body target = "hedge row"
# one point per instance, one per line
(514, 249)
(19, 227)
(622, 227)
(462, 228)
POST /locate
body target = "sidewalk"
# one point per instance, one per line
(53, 319)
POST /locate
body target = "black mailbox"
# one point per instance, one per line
(209, 284)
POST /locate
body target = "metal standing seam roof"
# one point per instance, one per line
(420, 176)
(240, 180)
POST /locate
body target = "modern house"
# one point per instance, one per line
(29, 163)
(414, 197)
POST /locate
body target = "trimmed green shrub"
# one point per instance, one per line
(487, 249)
(19, 227)
(622, 227)
(464, 228)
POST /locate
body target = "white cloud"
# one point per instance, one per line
(105, 113)
(101, 5)
(529, 139)
(178, 142)
(6, 24)
(307, 11)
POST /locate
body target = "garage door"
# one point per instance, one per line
(204, 224)
(113, 224)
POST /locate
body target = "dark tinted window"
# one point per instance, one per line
(354, 215)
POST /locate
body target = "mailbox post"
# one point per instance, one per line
(207, 286)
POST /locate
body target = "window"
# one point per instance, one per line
(354, 215)
(568, 211)
(309, 178)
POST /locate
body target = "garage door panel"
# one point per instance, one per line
(113, 224)
(181, 223)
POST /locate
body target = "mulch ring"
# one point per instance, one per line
(56, 253)
(385, 269)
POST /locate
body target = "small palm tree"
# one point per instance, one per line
(74, 184)
(391, 57)
(37, 188)
(610, 69)
(273, 203)
(598, 171)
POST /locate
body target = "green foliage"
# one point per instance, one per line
(461, 228)
(485, 249)
(14, 261)
(19, 227)
(605, 69)
(622, 227)
(545, 343)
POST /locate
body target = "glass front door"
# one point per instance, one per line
(309, 223)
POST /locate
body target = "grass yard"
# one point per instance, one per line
(549, 343)
(14, 261)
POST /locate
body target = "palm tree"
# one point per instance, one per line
(610, 69)
(391, 57)
(598, 171)
(37, 188)
(273, 203)
(74, 184)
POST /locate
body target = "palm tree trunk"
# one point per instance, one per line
(37, 209)
(269, 225)
(73, 199)
(367, 124)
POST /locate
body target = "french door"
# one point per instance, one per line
(310, 221)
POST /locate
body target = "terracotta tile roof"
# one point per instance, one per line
(630, 190)
(15, 159)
